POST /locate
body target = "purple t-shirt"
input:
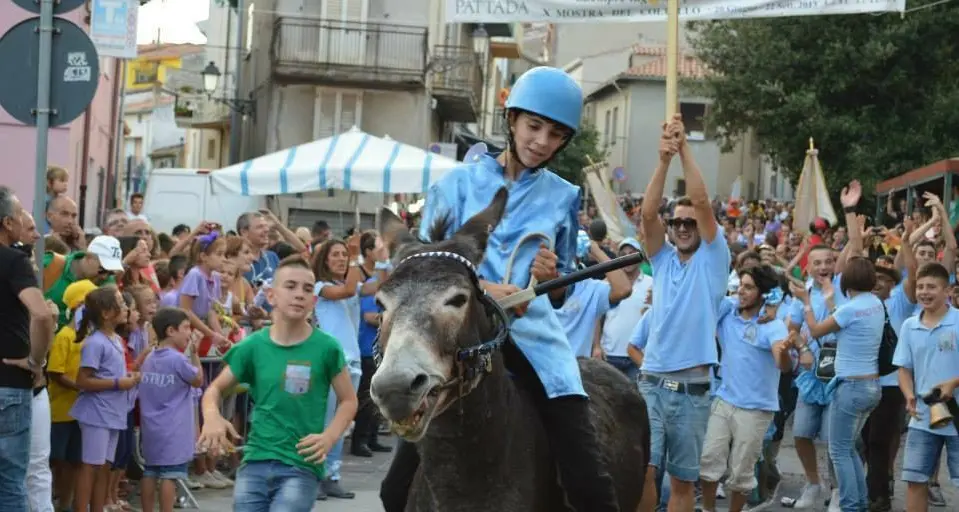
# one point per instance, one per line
(204, 290)
(109, 408)
(138, 340)
(167, 409)
(170, 299)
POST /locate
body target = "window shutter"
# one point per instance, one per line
(324, 115)
(350, 111)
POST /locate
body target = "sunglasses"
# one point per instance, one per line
(684, 223)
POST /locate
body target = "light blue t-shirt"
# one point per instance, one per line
(933, 357)
(584, 306)
(682, 332)
(750, 375)
(899, 309)
(860, 323)
(340, 319)
(640, 335)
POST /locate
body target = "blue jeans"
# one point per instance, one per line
(677, 427)
(625, 365)
(271, 486)
(334, 459)
(15, 419)
(851, 405)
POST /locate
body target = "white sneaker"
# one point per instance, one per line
(834, 501)
(221, 477)
(210, 481)
(720, 492)
(811, 497)
(192, 484)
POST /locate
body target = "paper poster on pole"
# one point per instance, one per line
(593, 11)
(113, 27)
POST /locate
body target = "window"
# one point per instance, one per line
(336, 111)
(146, 73)
(606, 131)
(613, 131)
(694, 115)
(211, 149)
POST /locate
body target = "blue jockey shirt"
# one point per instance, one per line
(539, 202)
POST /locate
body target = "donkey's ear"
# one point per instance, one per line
(394, 231)
(475, 232)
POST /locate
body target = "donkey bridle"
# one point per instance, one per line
(475, 361)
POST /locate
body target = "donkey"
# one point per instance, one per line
(443, 384)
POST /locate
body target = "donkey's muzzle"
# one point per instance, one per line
(399, 392)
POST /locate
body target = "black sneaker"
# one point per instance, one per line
(361, 450)
(380, 448)
(332, 488)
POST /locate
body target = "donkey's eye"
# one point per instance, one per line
(457, 301)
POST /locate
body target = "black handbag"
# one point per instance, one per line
(826, 364)
(887, 348)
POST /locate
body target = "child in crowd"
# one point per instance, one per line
(167, 408)
(124, 452)
(58, 181)
(170, 274)
(289, 368)
(62, 368)
(105, 393)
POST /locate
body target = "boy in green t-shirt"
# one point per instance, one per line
(289, 368)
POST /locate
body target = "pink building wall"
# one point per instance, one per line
(65, 148)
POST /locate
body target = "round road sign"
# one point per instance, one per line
(75, 71)
(61, 7)
(619, 174)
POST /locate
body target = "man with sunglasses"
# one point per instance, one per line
(690, 283)
(97, 263)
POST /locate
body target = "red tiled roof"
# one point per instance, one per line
(654, 64)
(166, 50)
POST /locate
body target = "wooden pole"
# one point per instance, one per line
(672, 58)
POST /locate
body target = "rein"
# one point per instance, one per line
(475, 361)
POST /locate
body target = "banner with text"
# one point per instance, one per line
(583, 11)
(113, 27)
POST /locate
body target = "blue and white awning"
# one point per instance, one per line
(354, 161)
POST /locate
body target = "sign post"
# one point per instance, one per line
(57, 81)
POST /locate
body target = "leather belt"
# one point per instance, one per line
(691, 388)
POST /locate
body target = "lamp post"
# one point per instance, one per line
(211, 81)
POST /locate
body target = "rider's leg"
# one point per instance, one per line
(572, 439)
(395, 489)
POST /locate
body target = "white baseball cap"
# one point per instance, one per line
(107, 249)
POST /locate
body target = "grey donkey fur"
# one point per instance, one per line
(488, 451)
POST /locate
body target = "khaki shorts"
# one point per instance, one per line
(734, 442)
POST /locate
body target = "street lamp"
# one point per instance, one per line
(211, 78)
(480, 39)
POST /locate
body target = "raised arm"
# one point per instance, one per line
(696, 190)
(654, 232)
(948, 236)
(849, 198)
(909, 262)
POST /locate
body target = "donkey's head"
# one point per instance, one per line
(432, 309)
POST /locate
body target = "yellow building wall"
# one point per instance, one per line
(142, 73)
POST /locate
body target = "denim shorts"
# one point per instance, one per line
(65, 445)
(262, 486)
(677, 427)
(923, 450)
(810, 421)
(174, 472)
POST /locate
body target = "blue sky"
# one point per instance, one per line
(176, 20)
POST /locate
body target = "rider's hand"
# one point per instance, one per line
(499, 291)
(217, 436)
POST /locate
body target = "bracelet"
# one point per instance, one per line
(383, 265)
(849, 209)
(804, 349)
(33, 364)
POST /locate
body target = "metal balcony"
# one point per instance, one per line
(352, 54)
(200, 112)
(457, 82)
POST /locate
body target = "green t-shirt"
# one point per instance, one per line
(289, 386)
(55, 293)
(646, 268)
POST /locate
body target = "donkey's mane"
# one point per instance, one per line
(439, 228)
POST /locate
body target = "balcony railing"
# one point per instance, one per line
(349, 53)
(457, 81)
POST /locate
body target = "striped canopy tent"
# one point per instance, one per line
(354, 161)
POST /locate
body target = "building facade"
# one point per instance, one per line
(85, 147)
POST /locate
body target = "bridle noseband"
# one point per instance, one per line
(475, 361)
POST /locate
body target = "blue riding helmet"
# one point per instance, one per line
(548, 92)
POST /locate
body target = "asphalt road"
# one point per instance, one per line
(363, 476)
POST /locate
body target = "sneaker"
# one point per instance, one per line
(834, 501)
(332, 488)
(936, 499)
(193, 484)
(221, 477)
(720, 492)
(811, 497)
(210, 481)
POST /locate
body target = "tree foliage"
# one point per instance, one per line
(878, 93)
(569, 163)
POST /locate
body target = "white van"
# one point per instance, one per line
(185, 196)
